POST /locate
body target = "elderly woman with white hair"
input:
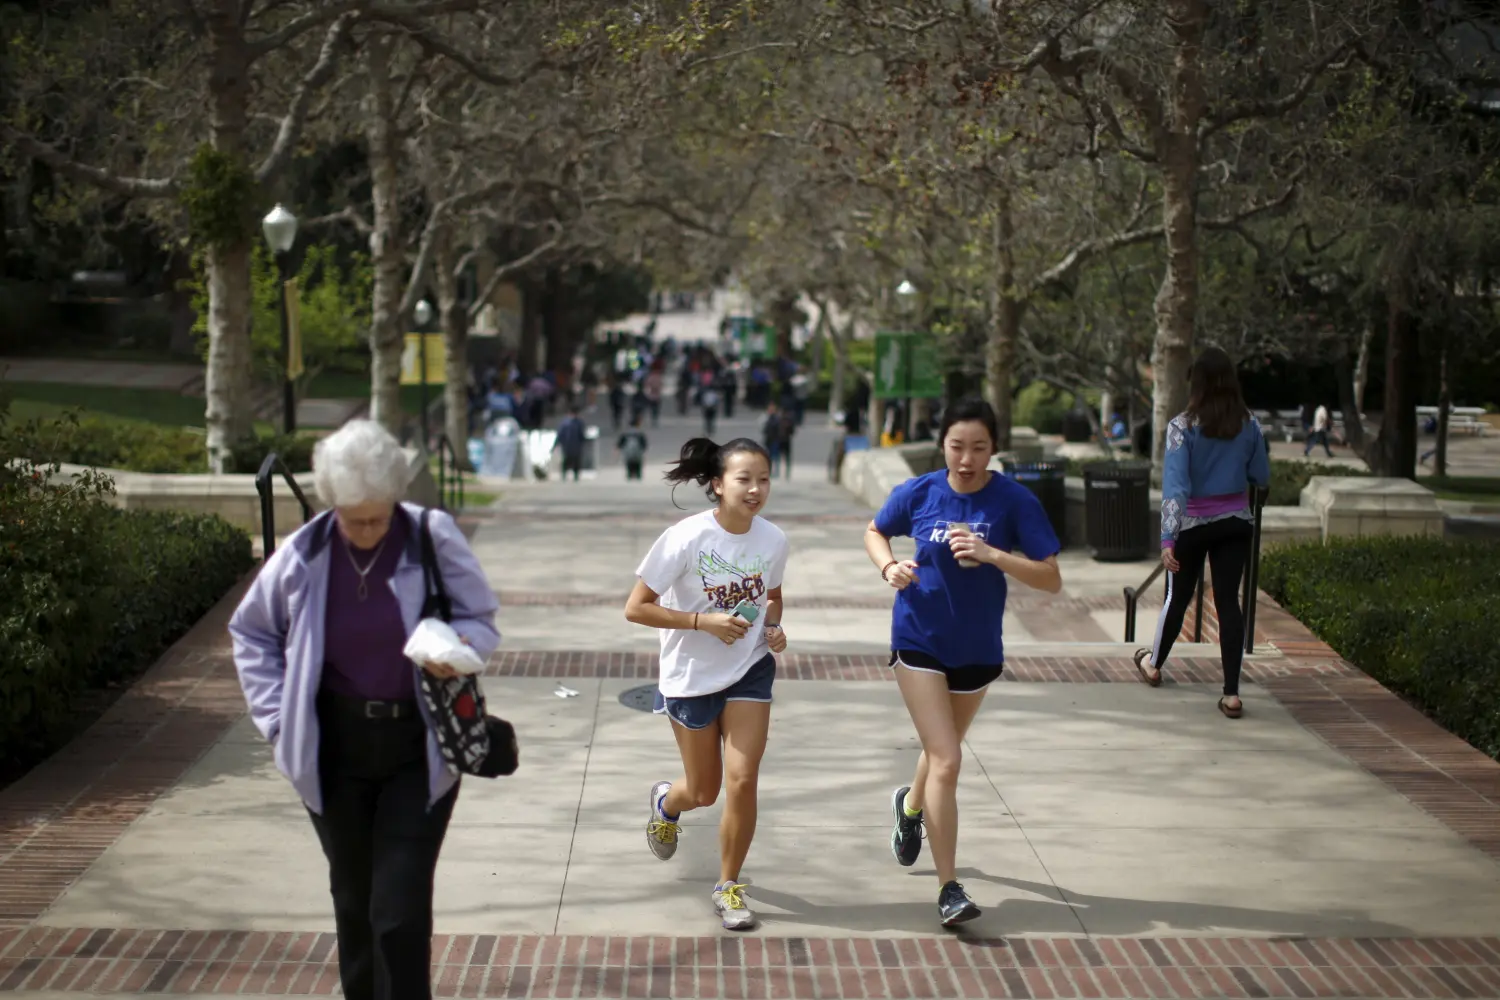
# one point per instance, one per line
(318, 643)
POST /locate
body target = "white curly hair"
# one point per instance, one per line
(360, 463)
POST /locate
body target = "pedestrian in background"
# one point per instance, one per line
(1215, 450)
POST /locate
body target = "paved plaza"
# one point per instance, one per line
(1123, 841)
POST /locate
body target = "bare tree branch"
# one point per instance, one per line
(134, 187)
(296, 115)
(1335, 59)
(513, 267)
(330, 10)
(348, 214)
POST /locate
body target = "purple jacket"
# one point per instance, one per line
(278, 637)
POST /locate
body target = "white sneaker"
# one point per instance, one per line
(729, 901)
(661, 833)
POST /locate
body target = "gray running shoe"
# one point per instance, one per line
(661, 833)
(906, 836)
(954, 906)
(729, 901)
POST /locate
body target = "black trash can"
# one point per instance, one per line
(1048, 482)
(1117, 510)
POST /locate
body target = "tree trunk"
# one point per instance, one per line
(226, 379)
(387, 338)
(1396, 455)
(227, 375)
(1000, 351)
(455, 320)
(1361, 374)
(784, 317)
(1354, 424)
(555, 326)
(836, 389)
(1445, 406)
(1177, 298)
(531, 328)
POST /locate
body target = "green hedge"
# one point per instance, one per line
(1417, 614)
(137, 446)
(1288, 478)
(90, 594)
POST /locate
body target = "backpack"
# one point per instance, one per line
(633, 448)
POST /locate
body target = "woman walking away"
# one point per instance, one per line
(318, 643)
(1215, 449)
(973, 530)
(712, 584)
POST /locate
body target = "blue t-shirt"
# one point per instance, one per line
(954, 613)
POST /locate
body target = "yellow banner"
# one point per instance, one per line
(418, 344)
(294, 368)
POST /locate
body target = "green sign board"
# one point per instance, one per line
(757, 340)
(907, 365)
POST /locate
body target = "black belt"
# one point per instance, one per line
(364, 708)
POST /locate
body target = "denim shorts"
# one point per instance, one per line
(701, 710)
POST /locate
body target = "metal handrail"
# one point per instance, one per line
(1133, 595)
(450, 491)
(1250, 589)
(263, 485)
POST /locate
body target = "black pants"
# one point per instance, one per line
(632, 468)
(382, 846)
(1226, 543)
(571, 463)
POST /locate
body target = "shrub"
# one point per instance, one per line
(1416, 614)
(295, 450)
(1288, 478)
(1041, 407)
(89, 594)
(137, 446)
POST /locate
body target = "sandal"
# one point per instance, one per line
(1231, 713)
(1140, 668)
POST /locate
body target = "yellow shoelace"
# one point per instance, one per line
(730, 894)
(665, 831)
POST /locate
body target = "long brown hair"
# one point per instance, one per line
(1215, 402)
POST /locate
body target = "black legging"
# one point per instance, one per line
(1227, 545)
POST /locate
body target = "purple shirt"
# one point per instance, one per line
(363, 639)
(1217, 506)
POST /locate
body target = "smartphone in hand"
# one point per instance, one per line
(748, 610)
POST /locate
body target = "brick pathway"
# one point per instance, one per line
(62, 817)
(228, 963)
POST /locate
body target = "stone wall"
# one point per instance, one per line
(1331, 506)
(234, 497)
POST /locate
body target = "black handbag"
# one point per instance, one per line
(472, 741)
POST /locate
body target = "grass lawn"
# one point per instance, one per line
(156, 406)
(356, 385)
(1468, 489)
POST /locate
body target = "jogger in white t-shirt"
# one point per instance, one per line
(712, 584)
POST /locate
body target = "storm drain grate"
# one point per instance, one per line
(642, 699)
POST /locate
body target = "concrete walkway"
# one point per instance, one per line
(1123, 841)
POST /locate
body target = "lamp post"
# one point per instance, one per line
(423, 315)
(906, 292)
(280, 228)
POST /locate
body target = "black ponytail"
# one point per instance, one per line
(702, 461)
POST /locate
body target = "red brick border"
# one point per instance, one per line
(59, 818)
(1438, 772)
(584, 664)
(229, 962)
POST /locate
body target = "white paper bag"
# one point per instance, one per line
(435, 641)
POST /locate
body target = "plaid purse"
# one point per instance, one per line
(471, 740)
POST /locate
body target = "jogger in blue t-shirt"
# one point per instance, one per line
(973, 529)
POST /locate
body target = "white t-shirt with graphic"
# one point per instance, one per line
(697, 566)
